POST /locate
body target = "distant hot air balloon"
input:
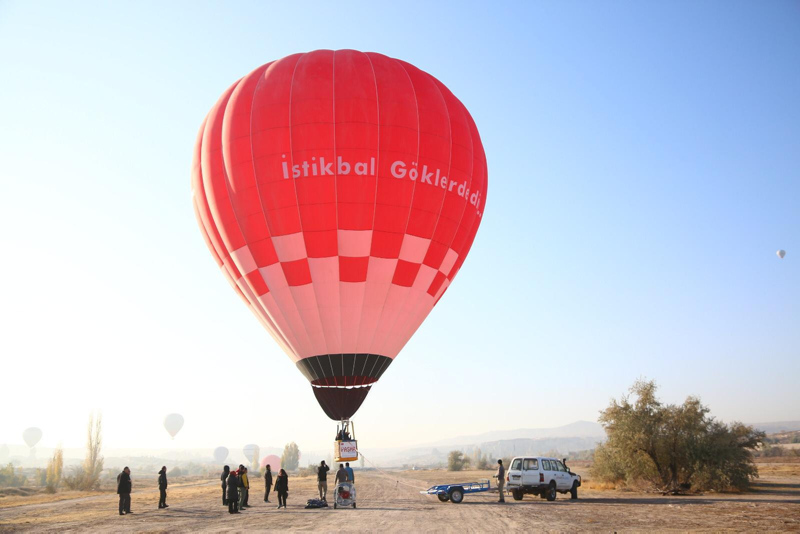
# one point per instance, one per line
(340, 193)
(273, 461)
(173, 423)
(781, 253)
(250, 451)
(31, 436)
(220, 454)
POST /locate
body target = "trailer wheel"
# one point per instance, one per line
(443, 497)
(456, 495)
(517, 494)
(551, 492)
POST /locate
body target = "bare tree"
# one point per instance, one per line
(87, 476)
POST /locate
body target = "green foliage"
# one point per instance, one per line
(457, 461)
(55, 466)
(673, 447)
(11, 478)
(290, 459)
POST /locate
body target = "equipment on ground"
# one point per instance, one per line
(344, 495)
(339, 192)
(455, 492)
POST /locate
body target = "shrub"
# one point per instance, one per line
(673, 447)
(457, 461)
(54, 468)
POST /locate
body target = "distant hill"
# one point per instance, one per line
(578, 429)
(780, 426)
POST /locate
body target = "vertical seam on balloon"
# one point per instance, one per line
(257, 305)
(300, 217)
(336, 204)
(375, 201)
(411, 201)
(264, 211)
(404, 324)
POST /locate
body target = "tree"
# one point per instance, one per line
(254, 460)
(673, 447)
(87, 476)
(290, 458)
(55, 467)
(457, 461)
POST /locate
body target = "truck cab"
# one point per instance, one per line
(542, 476)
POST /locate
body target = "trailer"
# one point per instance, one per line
(455, 492)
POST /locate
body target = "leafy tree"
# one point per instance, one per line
(290, 458)
(55, 466)
(673, 447)
(10, 478)
(87, 476)
(457, 461)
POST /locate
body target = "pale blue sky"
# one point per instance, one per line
(644, 167)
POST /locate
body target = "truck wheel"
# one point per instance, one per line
(456, 495)
(517, 494)
(443, 497)
(334, 506)
(354, 506)
(574, 491)
(551, 492)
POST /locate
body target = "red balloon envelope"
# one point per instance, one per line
(340, 192)
(273, 461)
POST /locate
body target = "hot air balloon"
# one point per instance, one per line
(173, 423)
(339, 192)
(273, 461)
(220, 454)
(781, 253)
(31, 436)
(251, 450)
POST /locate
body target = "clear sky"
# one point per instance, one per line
(644, 167)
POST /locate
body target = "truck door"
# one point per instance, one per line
(515, 472)
(530, 472)
(564, 482)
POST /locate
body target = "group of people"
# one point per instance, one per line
(344, 474)
(125, 486)
(236, 488)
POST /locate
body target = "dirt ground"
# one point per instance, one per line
(390, 501)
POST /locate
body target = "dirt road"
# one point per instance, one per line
(391, 502)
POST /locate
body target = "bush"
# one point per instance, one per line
(54, 468)
(10, 479)
(673, 447)
(457, 461)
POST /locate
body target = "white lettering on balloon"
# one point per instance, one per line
(399, 169)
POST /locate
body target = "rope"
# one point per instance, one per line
(396, 480)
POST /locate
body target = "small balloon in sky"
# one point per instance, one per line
(31, 436)
(781, 253)
(173, 423)
(251, 450)
(272, 461)
(220, 454)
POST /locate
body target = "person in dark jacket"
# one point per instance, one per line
(282, 488)
(267, 482)
(124, 487)
(341, 475)
(322, 480)
(233, 493)
(162, 487)
(224, 478)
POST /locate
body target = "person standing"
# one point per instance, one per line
(282, 487)
(162, 487)
(350, 476)
(501, 480)
(224, 478)
(233, 492)
(341, 475)
(242, 487)
(322, 480)
(124, 488)
(267, 482)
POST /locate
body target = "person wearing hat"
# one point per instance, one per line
(162, 487)
(501, 480)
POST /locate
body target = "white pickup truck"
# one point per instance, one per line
(541, 476)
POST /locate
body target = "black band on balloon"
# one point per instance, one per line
(343, 370)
